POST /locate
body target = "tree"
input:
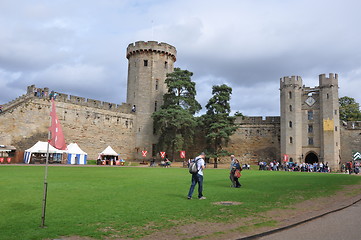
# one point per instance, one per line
(174, 122)
(349, 109)
(181, 91)
(219, 126)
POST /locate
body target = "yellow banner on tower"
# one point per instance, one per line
(328, 125)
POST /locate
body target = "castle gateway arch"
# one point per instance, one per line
(311, 158)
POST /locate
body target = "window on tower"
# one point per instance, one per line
(156, 84)
(310, 115)
(291, 140)
(310, 128)
(310, 141)
(155, 106)
(290, 123)
(290, 95)
(145, 63)
(290, 108)
(165, 64)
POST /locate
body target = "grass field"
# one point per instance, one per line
(133, 202)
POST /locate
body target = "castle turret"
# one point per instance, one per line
(148, 64)
(291, 117)
(330, 120)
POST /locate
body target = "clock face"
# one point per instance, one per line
(310, 101)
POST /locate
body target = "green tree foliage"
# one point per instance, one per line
(349, 109)
(174, 122)
(218, 124)
(181, 91)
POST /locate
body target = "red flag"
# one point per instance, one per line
(162, 154)
(183, 154)
(57, 137)
(144, 153)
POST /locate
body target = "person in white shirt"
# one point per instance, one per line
(198, 177)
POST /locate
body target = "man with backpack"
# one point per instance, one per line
(196, 169)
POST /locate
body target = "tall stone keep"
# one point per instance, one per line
(310, 122)
(148, 64)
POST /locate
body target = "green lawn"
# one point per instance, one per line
(131, 202)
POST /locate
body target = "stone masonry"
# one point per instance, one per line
(148, 64)
(92, 124)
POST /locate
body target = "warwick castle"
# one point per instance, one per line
(308, 130)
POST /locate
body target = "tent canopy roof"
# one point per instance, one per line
(75, 149)
(109, 152)
(41, 147)
(4, 148)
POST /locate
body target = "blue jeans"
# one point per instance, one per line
(196, 178)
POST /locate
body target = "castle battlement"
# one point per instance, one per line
(330, 81)
(352, 125)
(258, 120)
(293, 81)
(151, 46)
(62, 97)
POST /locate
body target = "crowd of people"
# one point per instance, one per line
(351, 167)
(348, 167)
(293, 166)
(40, 93)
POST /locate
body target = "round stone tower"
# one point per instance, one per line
(148, 64)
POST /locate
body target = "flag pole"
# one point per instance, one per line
(56, 137)
(45, 193)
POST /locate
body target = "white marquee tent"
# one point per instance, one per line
(109, 152)
(40, 147)
(76, 155)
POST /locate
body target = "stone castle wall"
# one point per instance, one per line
(26, 120)
(92, 125)
(256, 139)
(350, 140)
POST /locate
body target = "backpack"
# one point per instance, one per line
(193, 168)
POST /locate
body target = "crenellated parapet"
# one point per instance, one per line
(293, 81)
(153, 47)
(330, 81)
(44, 93)
(258, 120)
(352, 125)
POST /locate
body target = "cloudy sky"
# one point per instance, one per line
(78, 47)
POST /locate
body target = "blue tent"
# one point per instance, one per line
(76, 155)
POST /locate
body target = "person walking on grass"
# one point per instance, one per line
(198, 177)
(236, 173)
(231, 175)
